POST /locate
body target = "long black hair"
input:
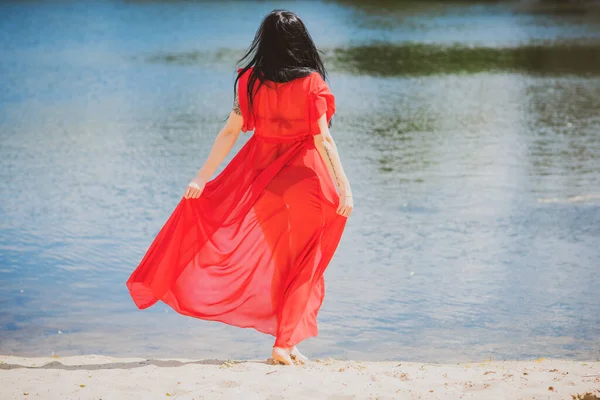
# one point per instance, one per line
(282, 50)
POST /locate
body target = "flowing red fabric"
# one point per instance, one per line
(252, 249)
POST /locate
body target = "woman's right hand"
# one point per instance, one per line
(346, 204)
(194, 188)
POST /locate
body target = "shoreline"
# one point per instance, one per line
(102, 377)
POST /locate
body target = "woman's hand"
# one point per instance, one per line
(328, 150)
(346, 204)
(194, 188)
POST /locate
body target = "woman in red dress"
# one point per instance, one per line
(249, 247)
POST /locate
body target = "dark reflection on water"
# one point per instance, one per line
(399, 8)
(588, 10)
(405, 141)
(429, 6)
(470, 134)
(389, 59)
(204, 58)
(566, 142)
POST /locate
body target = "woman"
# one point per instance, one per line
(249, 247)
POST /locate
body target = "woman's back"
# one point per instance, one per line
(286, 110)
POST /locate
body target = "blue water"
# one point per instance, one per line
(476, 231)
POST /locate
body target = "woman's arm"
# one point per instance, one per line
(328, 150)
(223, 143)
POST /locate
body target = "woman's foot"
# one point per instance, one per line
(297, 356)
(282, 356)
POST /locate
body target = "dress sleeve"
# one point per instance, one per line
(242, 99)
(321, 101)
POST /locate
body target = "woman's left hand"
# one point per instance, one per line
(194, 188)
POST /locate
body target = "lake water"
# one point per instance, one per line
(470, 133)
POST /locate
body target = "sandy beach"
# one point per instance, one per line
(102, 377)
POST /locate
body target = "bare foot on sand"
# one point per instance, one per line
(282, 356)
(297, 356)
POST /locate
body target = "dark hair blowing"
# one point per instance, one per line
(282, 50)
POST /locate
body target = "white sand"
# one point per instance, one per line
(107, 378)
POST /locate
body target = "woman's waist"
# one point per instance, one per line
(286, 138)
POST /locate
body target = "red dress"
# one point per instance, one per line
(252, 249)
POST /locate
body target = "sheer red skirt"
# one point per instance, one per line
(252, 250)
